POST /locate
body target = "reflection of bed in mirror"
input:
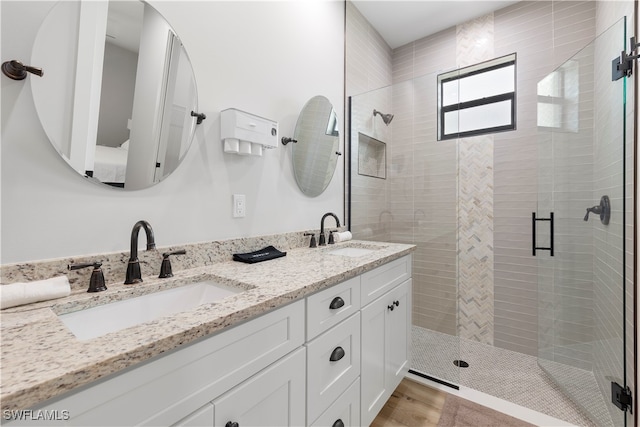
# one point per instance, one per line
(110, 164)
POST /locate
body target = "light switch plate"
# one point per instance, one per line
(239, 206)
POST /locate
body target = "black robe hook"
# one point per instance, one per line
(200, 117)
(16, 70)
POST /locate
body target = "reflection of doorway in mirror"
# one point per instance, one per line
(71, 38)
(119, 72)
(179, 95)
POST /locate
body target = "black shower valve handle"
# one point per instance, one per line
(603, 209)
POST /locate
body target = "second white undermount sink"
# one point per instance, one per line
(351, 251)
(97, 321)
(355, 250)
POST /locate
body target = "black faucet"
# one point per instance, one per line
(133, 269)
(322, 241)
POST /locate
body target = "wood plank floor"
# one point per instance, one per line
(411, 404)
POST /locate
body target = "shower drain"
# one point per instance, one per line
(461, 363)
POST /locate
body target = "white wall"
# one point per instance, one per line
(267, 58)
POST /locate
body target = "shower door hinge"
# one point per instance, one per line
(622, 66)
(622, 397)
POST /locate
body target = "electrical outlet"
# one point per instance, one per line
(239, 206)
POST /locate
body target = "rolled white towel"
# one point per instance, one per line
(40, 290)
(342, 237)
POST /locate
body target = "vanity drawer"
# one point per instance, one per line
(343, 297)
(327, 378)
(378, 281)
(346, 409)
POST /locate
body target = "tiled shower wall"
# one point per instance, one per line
(426, 197)
(498, 276)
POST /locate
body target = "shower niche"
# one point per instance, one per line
(372, 157)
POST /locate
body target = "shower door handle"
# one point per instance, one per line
(534, 247)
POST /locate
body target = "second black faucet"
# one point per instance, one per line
(322, 241)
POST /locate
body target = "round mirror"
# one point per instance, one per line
(118, 96)
(315, 154)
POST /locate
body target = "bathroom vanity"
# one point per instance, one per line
(319, 337)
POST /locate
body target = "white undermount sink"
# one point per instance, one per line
(355, 251)
(97, 321)
(351, 251)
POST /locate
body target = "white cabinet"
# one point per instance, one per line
(273, 397)
(264, 371)
(166, 389)
(386, 339)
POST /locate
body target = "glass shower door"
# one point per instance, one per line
(403, 188)
(578, 231)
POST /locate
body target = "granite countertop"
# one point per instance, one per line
(41, 358)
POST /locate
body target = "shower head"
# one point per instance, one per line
(386, 118)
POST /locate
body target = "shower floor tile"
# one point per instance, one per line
(509, 375)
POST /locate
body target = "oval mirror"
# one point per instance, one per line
(315, 154)
(118, 91)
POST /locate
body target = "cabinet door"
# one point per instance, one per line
(386, 329)
(398, 332)
(273, 397)
(373, 380)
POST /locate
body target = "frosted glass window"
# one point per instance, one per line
(478, 99)
(479, 86)
(488, 116)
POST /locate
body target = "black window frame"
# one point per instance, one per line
(475, 70)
